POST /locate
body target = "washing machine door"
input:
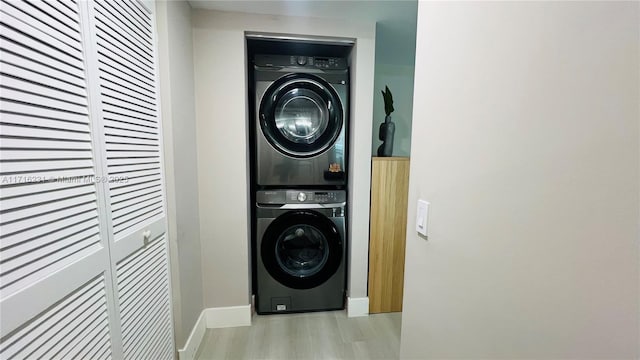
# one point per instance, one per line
(301, 115)
(302, 249)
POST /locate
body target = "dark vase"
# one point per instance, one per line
(387, 130)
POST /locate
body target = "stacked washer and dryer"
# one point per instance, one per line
(300, 179)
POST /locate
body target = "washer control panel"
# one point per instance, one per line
(316, 197)
(274, 197)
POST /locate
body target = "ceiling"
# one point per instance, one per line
(396, 20)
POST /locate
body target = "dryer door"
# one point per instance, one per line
(301, 249)
(301, 115)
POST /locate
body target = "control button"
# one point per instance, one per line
(302, 197)
(302, 60)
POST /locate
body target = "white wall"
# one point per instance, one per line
(394, 67)
(399, 78)
(221, 113)
(178, 120)
(526, 142)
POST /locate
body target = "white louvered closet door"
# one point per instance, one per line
(123, 39)
(56, 288)
(84, 267)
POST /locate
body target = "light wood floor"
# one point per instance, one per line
(319, 335)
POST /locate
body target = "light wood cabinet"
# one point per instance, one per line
(389, 193)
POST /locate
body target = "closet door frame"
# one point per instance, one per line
(95, 108)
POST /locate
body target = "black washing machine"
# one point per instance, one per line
(301, 251)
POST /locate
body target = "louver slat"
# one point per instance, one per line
(38, 236)
(49, 260)
(20, 32)
(128, 110)
(46, 19)
(38, 196)
(132, 147)
(26, 86)
(113, 79)
(37, 131)
(112, 89)
(124, 131)
(37, 55)
(60, 329)
(120, 50)
(35, 99)
(115, 33)
(137, 13)
(79, 196)
(33, 69)
(12, 71)
(44, 154)
(67, 8)
(143, 291)
(115, 11)
(141, 104)
(58, 215)
(131, 103)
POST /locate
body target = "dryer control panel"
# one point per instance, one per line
(281, 197)
(302, 61)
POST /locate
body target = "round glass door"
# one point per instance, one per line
(301, 115)
(301, 249)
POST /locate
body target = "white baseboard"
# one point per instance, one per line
(230, 316)
(195, 339)
(212, 318)
(357, 306)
